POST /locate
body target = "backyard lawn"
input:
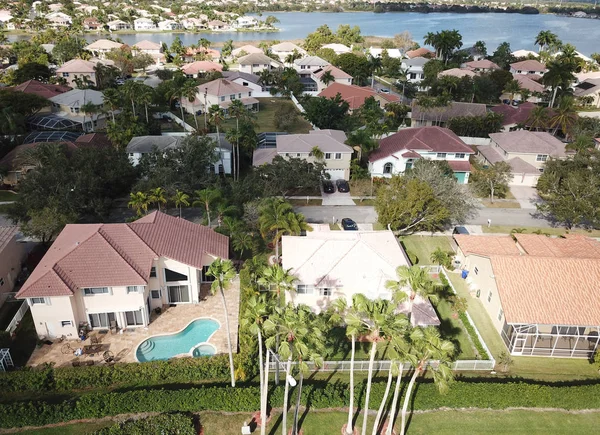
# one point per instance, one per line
(265, 117)
(5, 195)
(423, 246)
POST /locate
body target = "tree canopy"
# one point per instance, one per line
(327, 112)
(283, 177)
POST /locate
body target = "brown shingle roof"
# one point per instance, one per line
(569, 246)
(487, 245)
(514, 115)
(41, 89)
(86, 255)
(550, 291)
(482, 64)
(453, 110)
(528, 65)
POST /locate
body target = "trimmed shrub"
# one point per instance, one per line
(172, 424)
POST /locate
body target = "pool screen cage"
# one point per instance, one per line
(5, 360)
(562, 341)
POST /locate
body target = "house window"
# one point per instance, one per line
(155, 294)
(153, 272)
(232, 97)
(240, 96)
(255, 65)
(412, 76)
(441, 156)
(387, 168)
(90, 291)
(249, 94)
(223, 98)
(102, 320)
(205, 277)
(459, 155)
(66, 323)
(178, 294)
(325, 291)
(327, 156)
(476, 270)
(500, 314)
(134, 318)
(298, 154)
(541, 170)
(490, 296)
(65, 74)
(244, 83)
(541, 158)
(338, 156)
(135, 289)
(303, 289)
(38, 301)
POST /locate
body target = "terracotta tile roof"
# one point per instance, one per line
(419, 52)
(147, 45)
(97, 140)
(550, 291)
(201, 66)
(459, 165)
(571, 246)
(103, 44)
(86, 255)
(257, 58)
(335, 72)
(528, 65)
(514, 115)
(354, 95)
(6, 235)
(248, 49)
(220, 87)
(487, 245)
(529, 82)
(482, 64)
(457, 72)
(436, 139)
(77, 66)
(45, 90)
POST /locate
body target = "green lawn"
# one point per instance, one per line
(5, 195)
(71, 429)
(452, 329)
(265, 118)
(506, 229)
(423, 246)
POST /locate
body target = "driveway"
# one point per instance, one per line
(337, 198)
(526, 196)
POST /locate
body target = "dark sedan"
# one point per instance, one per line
(328, 186)
(342, 186)
(349, 225)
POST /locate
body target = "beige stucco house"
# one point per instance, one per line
(11, 257)
(336, 154)
(107, 275)
(221, 92)
(332, 264)
(254, 63)
(77, 69)
(101, 47)
(539, 292)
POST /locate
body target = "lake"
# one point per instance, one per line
(493, 28)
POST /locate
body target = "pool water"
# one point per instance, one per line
(187, 341)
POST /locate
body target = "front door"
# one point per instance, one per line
(50, 329)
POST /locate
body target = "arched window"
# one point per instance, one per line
(387, 168)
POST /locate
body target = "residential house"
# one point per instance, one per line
(244, 50)
(117, 25)
(338, 75)
(113, 275)
(100, 47)
(441, 115)
(58, 20)
(398, 152)
(457, 72)
(144, 24)
(338, 48)
(251, 81)
(193, 54)
(284, 49)
(140, 145)
(68, 105)
(525, 54)
(528, 67)
(420, 52)
(169, 25)
(92, 23)
(221, 92)
(199, 68)
(588, 91)
(215, 25)
(336, 154)
(245, 22)
(526, 82)
(525, 151)
(154, 49)
(305, 68)
(356, 95)
(11, 256)
(522, 287)
(392, 52)
(17, 168)
(481, 66)
(44, 90)
(340, 264)
(193, 23)
(254, 63)
(76, 69)
(514, 117)
(414, 69)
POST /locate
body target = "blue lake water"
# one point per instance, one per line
(493, 28)
(167, 346)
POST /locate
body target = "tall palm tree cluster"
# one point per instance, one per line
(444, 42)
(292, 337)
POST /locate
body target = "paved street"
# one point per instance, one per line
(500, 216)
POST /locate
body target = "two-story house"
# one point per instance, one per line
(414, 69)
(113, 275)
(398, 152)
(118, 25)
(528, 67)
(199, 68)
(100, 47)
(77, 69)
(220, 92)
(69, 106)
(356, 95)
(284, 49)
(320, 77)
(254, 63)
(525, 151)
(144, 24)
(154, 49)
(332, 151)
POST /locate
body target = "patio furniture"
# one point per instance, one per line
(94, 340)
(108, 357)
(113, 327)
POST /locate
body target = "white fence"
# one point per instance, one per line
(176, 119)
(20, 314)
(363, 366)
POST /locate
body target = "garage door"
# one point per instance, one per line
(336, 174)
(524, 180)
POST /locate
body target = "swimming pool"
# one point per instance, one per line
(191, 340)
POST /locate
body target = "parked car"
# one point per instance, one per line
(384, 91)
(349, 225)
(460, 230)
(342, 186)
(328, 186)
(120, 81)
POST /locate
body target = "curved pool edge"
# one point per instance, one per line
(204, 343)
(177, 332)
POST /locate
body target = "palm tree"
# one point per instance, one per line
(189, 90)
(419, 283)
(565, 116)
(252, 320)
(317, 153)
(545, 39)
(273, 219)
(380, 320)
(401, 350)
(440, 257)
(157, 196)
(538, 118)
(277, 278)
(327, 78)
(131, 91)
(206, 198)
(512, 88)
(559, 75)
(224, 273)
(139, 202)
(145, 97)
(241, 241)
(237, 110)
(293, 56)
(374, 67)
(427, 345)
(113, 100)
(181, 199)
(216, 116)
(89, 108)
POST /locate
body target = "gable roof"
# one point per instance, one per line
(587, 87)
(514, 115)
(569, 246)
(77, 66)
(335, 72)
(78, 97)
(354, 95)
(304, 143)
(457, 72)
(249, 49)
(487, 245)
(87, 255)
(103, 44)
(257, 58)
(527, 82)
(220, 87)
(233, 75)
(419, 52)
(482, 64)
(453, 110)
(45, 90)
(529, 65)
(287, 46)
(311, 61)
(529, 142)
(147, 45)
(201, 66)
(434, 139)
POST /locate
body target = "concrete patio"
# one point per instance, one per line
(172, 319)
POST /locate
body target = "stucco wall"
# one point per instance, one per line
(10, 264)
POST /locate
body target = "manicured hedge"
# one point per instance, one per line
(157, 425)
(318, 395)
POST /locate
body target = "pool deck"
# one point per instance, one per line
(172, 319)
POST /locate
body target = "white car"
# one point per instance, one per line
(384, 91)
